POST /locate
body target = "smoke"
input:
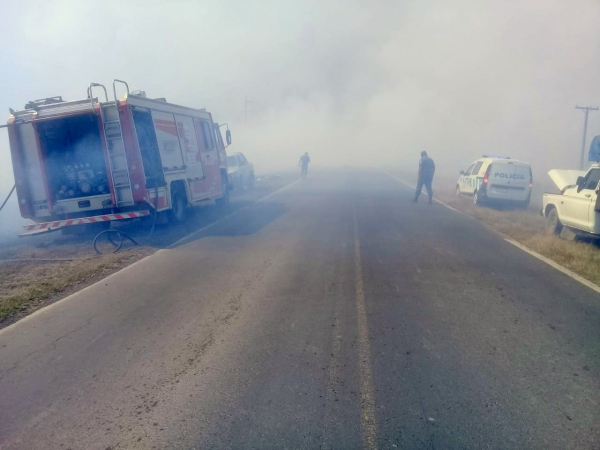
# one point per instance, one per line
(369, 83)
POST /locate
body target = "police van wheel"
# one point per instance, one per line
(476, 198)
(553, 225)
(457, 191)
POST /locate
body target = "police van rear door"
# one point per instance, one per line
(499, 181)
(520, 182)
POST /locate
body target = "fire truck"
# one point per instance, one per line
(91, 161)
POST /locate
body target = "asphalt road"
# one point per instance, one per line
(332, 314)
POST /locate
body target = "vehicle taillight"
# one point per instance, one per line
(485, 178)
(530, 179)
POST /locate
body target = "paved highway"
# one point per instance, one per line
(332, 314)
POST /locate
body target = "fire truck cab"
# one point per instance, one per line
(110, 160)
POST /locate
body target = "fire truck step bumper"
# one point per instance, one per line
(47, 227)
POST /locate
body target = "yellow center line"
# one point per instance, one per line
(367, 421)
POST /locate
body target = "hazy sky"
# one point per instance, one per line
(367, 82)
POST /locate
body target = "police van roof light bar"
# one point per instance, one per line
(497, 157)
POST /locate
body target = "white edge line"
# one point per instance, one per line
(49, 308)
(562, 269)
(557, 266)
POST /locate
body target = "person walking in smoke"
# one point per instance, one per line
(426, 171)
(304, 160)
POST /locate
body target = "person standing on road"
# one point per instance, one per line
(426, 171)
(303, 163)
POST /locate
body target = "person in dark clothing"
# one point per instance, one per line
(426, 171)
(304, 160)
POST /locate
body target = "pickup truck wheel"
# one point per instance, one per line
(553, 225)
(251, 182)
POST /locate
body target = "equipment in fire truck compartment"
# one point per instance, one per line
(75, 161)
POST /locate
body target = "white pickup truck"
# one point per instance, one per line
(576, 210)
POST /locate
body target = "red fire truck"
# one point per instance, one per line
(89, 161)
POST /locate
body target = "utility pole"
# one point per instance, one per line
(246, 103)
(587, 110)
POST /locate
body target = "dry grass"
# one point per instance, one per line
(24, 285)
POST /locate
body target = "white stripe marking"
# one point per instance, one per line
(557, 266)
(569, 273)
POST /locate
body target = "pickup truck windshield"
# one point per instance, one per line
(592, 179)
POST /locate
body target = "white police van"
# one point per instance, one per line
(497, 179)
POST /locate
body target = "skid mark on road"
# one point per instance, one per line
(367, 420)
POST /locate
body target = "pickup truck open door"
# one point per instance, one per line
(578, 211)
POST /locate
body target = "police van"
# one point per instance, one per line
(497, 179)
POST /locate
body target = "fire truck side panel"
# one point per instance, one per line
(33, 170)
(191, 150)
(133, 154)
(210, 157)
(168, 142)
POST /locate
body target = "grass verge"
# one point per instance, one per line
(25, 285)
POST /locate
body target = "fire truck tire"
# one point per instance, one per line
(178, 210)
(224, 200)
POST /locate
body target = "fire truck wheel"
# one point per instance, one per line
(178, 211)
(224, 200)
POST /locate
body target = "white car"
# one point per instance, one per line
(240, 171)
(497, 179)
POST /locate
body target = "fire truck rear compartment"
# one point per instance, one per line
(74, 155)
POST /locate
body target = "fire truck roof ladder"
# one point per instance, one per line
(113, 134)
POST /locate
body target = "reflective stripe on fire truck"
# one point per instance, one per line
(57, 224)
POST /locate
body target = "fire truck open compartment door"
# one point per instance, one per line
(32, 168)
(73, 151)
(148, 143)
